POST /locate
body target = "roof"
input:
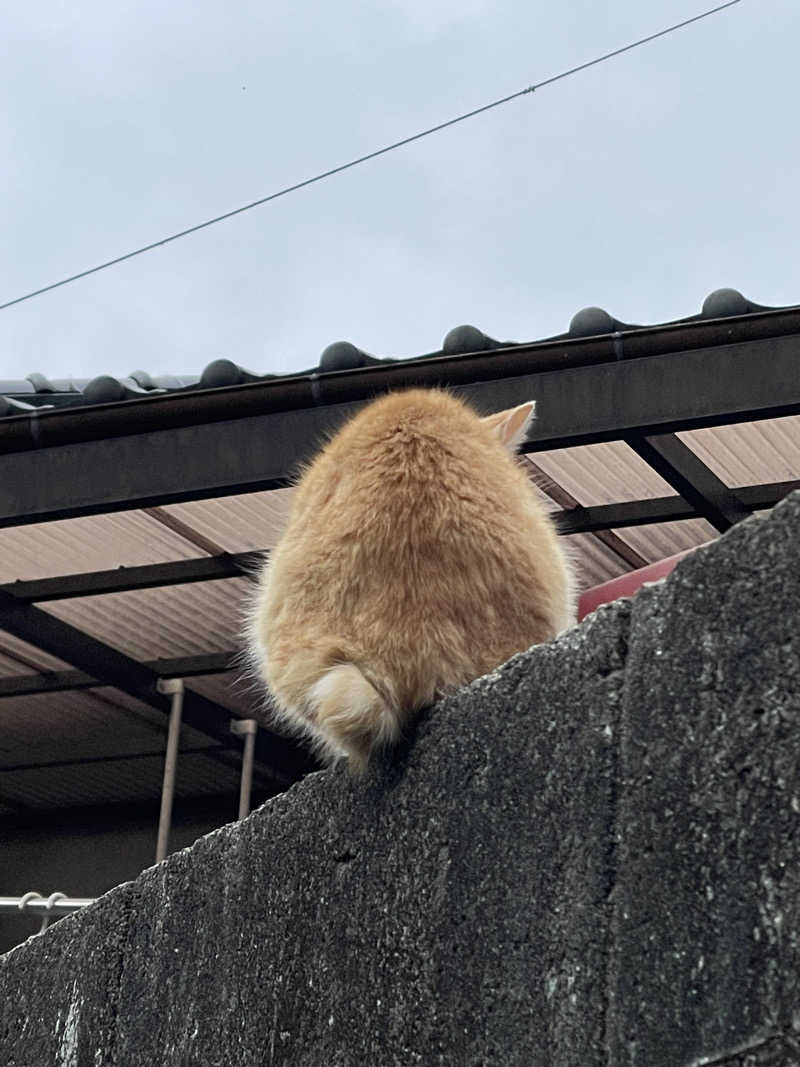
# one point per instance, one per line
(36, 390)
(132, 513)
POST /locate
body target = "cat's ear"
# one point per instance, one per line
(512, 426)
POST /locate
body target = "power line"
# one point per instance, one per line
(370, 155)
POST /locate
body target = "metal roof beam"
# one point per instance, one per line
(631, 392)
(662, 509)
(126, 579)
(681, 468)
(561, 496)
(15, 685)
(138, 680)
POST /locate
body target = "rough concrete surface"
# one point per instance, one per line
(589, 857)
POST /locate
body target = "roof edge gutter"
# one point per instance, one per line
(52, 428)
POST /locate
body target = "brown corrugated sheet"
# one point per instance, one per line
(81, 724)
(239, 523)
(132, 781)
(666, 538)
(99, 542)
(206, 617)
(21, 658)
(155, 623)
(752, 452)
(601, 474)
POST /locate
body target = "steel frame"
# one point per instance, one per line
(114, 668)
(640, 387)
(16, 685)
(126, 579)
(681, 468)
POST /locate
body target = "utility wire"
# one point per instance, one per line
(370, 155)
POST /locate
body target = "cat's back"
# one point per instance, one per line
(418, 500)
(416, 549)
(410, 461)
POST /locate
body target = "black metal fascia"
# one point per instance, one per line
(654, 394)
(681, 468)
(148, 414)
(683, 390)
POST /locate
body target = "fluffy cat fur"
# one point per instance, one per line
(417, 557)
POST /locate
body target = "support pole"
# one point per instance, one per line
(174, 687)
(247, 728)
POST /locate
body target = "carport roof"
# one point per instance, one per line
(133, 511)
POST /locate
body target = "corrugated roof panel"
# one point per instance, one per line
(601, 474)
(82, 785)
(239, 523)
(96, 542)
(750, 453)
(77, 724)
(74, 723)
(123, 781)
(9, 665)
(26, 658)
(666, 538)
(200, 775)
(171, 621)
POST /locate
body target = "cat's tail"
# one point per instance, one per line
(348, 711)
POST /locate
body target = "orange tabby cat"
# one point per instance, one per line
(417, 557)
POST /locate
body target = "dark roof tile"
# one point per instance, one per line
(588, 322)
(342, 355)
(723, 303)
(463, 339)
(226, 372)
(105, 389)
(37, 390)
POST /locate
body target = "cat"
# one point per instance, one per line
(417, 557)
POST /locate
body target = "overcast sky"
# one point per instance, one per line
(639, 185)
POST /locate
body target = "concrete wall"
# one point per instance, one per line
(591, 856)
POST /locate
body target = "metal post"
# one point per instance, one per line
(174, 687)
(247, 728)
